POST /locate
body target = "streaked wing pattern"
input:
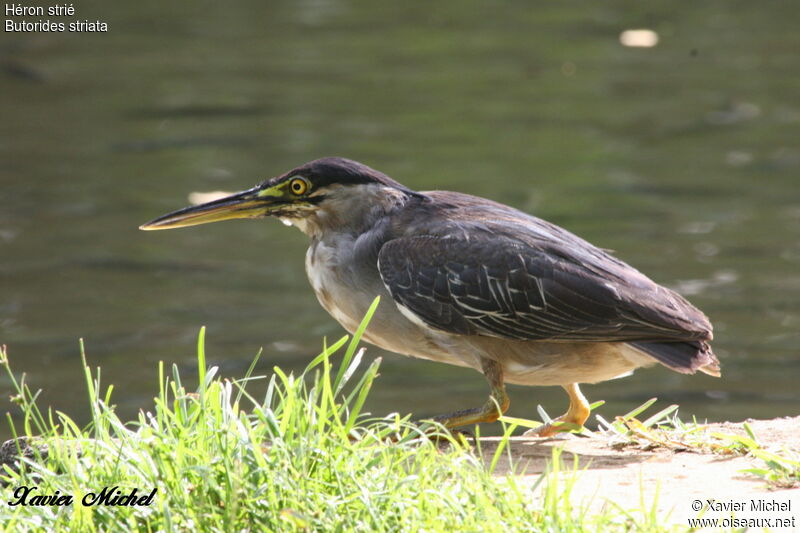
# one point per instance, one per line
(509, 289)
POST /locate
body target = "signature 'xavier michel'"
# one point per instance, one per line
(471, 282)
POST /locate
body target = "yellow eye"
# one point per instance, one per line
(298, 186)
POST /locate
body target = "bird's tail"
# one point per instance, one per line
(684, 357)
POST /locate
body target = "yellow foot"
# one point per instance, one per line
(460, 435)
(572, 420)
(495, 406)
(559, 425)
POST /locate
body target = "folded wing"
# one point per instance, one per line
(511, 289)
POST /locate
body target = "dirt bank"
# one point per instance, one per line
(622, 476)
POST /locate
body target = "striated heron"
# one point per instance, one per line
(472, 282)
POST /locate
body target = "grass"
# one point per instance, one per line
(779, 471)
(301, 457)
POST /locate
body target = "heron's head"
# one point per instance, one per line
(329, 193)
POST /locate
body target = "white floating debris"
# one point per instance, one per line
(196, 198)
(737, 158)
(733, 113)
(698, 227)
(287, 346)
(639, 38)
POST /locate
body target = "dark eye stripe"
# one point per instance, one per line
(315, 199)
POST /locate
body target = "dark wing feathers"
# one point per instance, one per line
(506, 288)
(683, 357)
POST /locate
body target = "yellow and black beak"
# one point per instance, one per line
(252, 203)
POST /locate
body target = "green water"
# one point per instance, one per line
(684, 158)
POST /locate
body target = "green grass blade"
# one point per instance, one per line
(351, 348)
(201, 363)
(641, 409)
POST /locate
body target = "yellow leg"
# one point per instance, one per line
(496, 405)
(576, 415)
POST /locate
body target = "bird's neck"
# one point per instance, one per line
(349, 211)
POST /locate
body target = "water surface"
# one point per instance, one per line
(683, 158)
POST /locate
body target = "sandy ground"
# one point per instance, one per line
(678, 478)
